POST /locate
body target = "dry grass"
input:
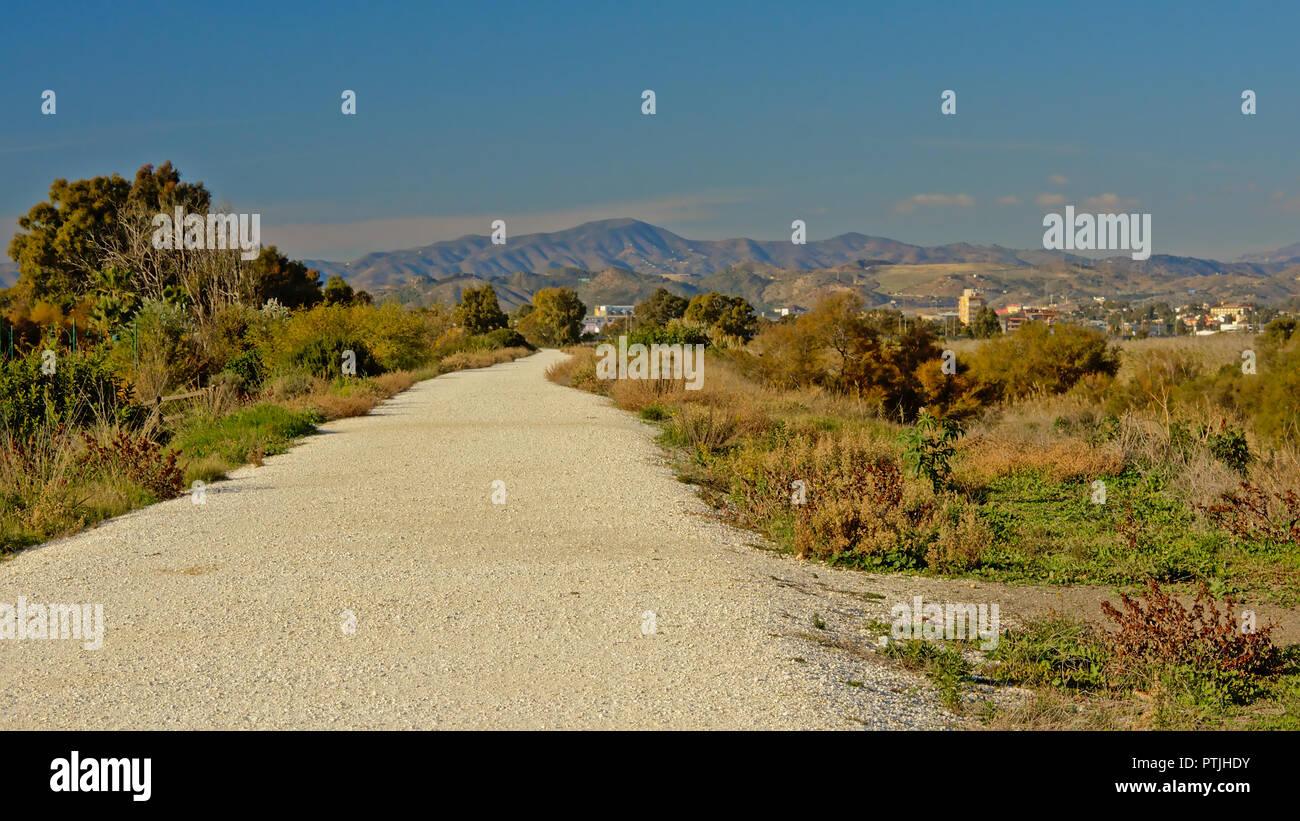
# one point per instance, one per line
(987, 458)
(1037, 434)
(466, 360)
(341, 406)
(1206, 353)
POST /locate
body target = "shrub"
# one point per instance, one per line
(675, 332)
(961, 537)
(1254, 514)
(1229, 447)
(323, 357)
(166, 350)
(136, 457)
(1156, 633)
(704, 431)
(384, 338)
(928, 448)
(1039, 357)
(82, 390)
(498, 339)
(249, 370)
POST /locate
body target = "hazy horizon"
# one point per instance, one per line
(765, 113)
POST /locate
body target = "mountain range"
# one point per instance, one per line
(621, 261)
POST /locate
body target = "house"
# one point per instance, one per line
(614, 310)
(968, 304)
(1011, 320)
(1230, 313)
(596, 324)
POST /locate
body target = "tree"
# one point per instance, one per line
(731, 315)
(519, 313)
(89, 225)
(1042, 357)
(662, 307)
(556, 318)
(337, 291)
(479, 311)
(272, 275)
(985, 324)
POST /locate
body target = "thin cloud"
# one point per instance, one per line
(1051, 148)
(916, 201)
(1110, 203)
(1047, 200)
(1285, 204)
(349, 240)
(1009, 199)
(1059, 179)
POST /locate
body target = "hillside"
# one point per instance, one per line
(621, 261)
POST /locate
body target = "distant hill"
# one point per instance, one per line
(639, 246)
(1290, 253)
(622, 261)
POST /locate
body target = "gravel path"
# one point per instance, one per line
(534, 613)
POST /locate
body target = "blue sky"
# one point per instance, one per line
(766, 112)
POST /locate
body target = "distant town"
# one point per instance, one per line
(1116, 317)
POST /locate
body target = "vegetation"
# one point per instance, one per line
(105, 326)
(1046, 456)
(555, 318)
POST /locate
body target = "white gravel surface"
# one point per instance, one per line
(469, 614)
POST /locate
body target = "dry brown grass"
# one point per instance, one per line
(1049, 709)
(1205, 353)
(466, 360)
(986, 458)
(338, 406)
(1030, 435)
(391, 384)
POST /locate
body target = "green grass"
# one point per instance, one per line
(210, 447)
(1067, 662)
(1051, 532)
(943, 665)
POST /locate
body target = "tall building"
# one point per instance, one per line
(968, 304)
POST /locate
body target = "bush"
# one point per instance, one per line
(1157, 634)
(323, 357)
(498, 339)
(249, 369)
(673, 333)
(962, 536)
(384, 338)
(1257, 515)
(1041, 358)
(928, 448)
(82, 390)
(136, 457)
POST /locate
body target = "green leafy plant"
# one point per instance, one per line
(928, 447)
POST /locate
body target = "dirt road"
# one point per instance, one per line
(368, 579)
